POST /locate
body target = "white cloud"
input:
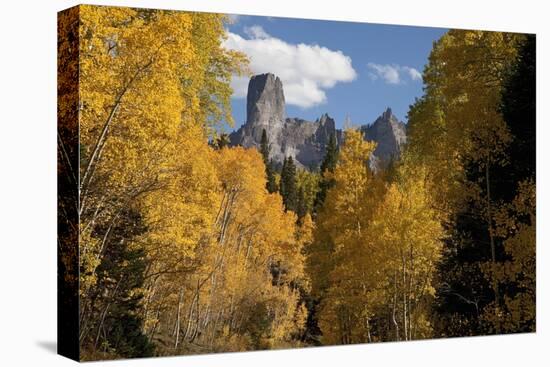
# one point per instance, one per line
(413, 73)
(390, 73)
(306, 71)
(393, 73)
(256, 32)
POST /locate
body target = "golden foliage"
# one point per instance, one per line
(225, 267)
(379, 244)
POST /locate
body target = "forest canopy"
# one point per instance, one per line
(190, 245)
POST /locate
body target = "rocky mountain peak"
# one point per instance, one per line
(304, 140)
(326, 121)
(387, 115)
(327, 127)
(390, 135)
(265, 101)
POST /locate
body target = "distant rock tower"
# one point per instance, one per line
(390, 135)
(265, 106)
(303, 140)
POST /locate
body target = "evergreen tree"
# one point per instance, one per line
(282, 181)
(221, 142)
(121, 280)
(331, 156)
(515, 186)
(271, 184)
(271, 181)
(518, 108)
(469, 301)
(327, 168)
(288, 184)
(301, 204)
(264, 147)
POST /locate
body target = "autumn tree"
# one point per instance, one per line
(338, 278)
(308, 182)
(407, 235)
(517, 274)
(132, 140)
(375, 251)
(67, 183)
(515, 217)
(458, 131)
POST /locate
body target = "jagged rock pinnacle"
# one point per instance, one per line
(303, 140)
(265, 101)
(390, 135)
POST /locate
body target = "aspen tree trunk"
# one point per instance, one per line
(409, 291)
(214, 328)
(368, 331)
(83, 323)
(154, 329)
(208, 311)
(100, 143)
(150, 295)
(197, 323)
(190, 315)
(100, 327)
(227, 216)
(366, 310)
(178, 320)
(394, 312)
(404, 280)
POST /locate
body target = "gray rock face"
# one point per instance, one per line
(265, 109)
(304, 140)
(390, 135)
(265, 105)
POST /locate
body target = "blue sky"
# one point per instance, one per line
(341, 68)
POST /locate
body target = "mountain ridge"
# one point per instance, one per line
(305, 140)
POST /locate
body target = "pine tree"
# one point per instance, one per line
(264, 147)
(331, 156)
(301, 204)
(121, 279)
(271, 184)
(518, 108)
(271, 181)
(221, 142)
(288, 184)
(327, 168)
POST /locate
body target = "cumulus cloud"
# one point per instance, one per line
(256, 32)
(306, 70)
(393, 73)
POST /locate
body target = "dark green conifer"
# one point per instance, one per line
(271, 184)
